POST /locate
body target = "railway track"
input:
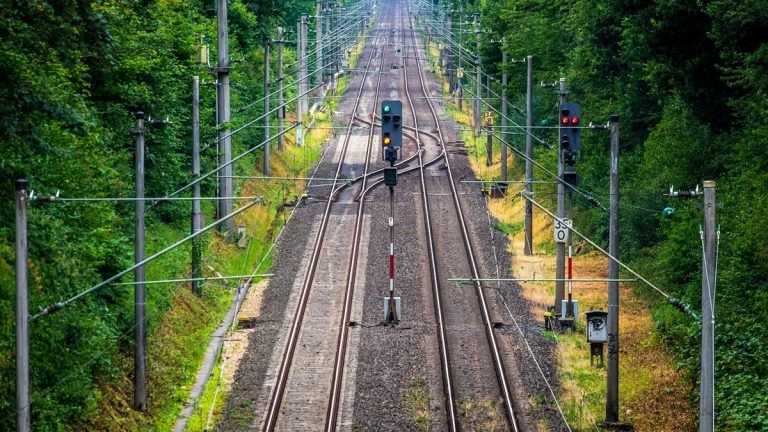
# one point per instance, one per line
(274, 411)
(297, 414)
(444, 330)
(339, 187)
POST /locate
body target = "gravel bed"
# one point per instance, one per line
(398, 386)
(533, 399)
(241, 410)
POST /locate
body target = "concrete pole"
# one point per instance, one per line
(319, 49)
(442, 52)
(280, 84)
(331, 27)
(460, 93)
(267, 119)
(612, 388)
(450, 59)
(336, 46)
(528, 250)
(223, 114)
(299, 83)
(708, 284)
(560, 247)
(488, 87)
(328, 66)
(197, 222)
(23, 422)
(488, 147)
(504, 111)
(140, 295)
(305, 79)
(478, 78)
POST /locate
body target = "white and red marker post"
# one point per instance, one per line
(569, 307)
(392, 316)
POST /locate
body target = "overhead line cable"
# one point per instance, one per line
(61, 304)
(589, 198)
(257, 119)
(235, 159)
(673, 301)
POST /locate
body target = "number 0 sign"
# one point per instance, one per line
(562, 233)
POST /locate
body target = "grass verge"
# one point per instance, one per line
(214, 397)
(416, 398)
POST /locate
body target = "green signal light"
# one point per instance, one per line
(668, 212)
(386, 109)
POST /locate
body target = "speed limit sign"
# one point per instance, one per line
(562, 233)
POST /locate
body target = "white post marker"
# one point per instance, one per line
(562, 230)
(392, 303)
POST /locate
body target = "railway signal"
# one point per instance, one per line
(391, 129)
(570, 133)
(392, 143)
(570, 140)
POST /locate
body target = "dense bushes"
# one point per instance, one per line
(688, 80)
(74, 71)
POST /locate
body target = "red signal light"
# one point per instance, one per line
(566, 120)
(575, 121)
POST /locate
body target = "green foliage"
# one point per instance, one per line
(74, 72)
(688, 82)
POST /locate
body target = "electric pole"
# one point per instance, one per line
(280, 98)
(197, 223)
(319, 49)
(504, 110)
(299, 83)
(222, 121)
(23, 422)
(446, 54)
(488, 146)
(266, 106)
(461, 76)
(528, 248)
(478, 77)
(328, 65)
(140, 295)
(708, 286)
(304, 75)
(612, 388)
(560, 247)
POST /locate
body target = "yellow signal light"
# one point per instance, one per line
(387, 141)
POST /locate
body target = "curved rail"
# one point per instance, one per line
(495, 352)
(331, 416)
(287, 358)
(450, 400)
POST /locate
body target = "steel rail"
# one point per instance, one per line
(331, 417)
(495, 352)
(379, 181)
(450, 401)
(287, 358)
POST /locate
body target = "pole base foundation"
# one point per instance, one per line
(392, 314)
(499, 190)
(616, 426)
